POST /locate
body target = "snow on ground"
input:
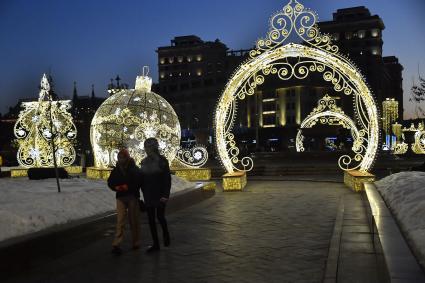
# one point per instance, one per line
(28, 206)
(404, 193)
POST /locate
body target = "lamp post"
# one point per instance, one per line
(53, 145)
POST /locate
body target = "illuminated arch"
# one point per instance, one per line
(296, 61)
(342, 119)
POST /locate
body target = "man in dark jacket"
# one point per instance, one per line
(156, 185)
(125, 181)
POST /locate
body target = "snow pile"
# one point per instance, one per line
(404, 193)
(28, 206)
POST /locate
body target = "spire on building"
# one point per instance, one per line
(74, 93)
(92, 91)
(52, 87)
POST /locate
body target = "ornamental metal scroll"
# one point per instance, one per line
(194, 157)
(296, 61)
(328, 113)
(38, 123)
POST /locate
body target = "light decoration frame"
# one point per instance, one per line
(418, 147)
(328, 113)
(272, 57)
(130, 116)
(389, 114)
(34, 130)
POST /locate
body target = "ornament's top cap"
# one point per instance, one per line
(144, 82)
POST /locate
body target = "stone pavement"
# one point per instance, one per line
(274, 231)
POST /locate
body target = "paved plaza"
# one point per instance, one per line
(274, 231)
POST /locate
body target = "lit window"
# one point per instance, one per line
(336, 36)
(375, 51)
(162, 75)
(199, 72)
(374, 32)
(189, 58)
(348, 35)
(180, 59)
(361, 33)
(171, 59)
(198, 58)
(162, 60)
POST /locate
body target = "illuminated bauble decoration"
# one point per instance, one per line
(127, 118)
(38, 122)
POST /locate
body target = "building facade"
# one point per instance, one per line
(193, 73)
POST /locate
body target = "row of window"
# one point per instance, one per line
(357, 34)
(180, 59)
(198, 72)
(192, 84)
(180, 67)
(271, 120)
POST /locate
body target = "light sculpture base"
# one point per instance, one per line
(98, 173)
(193, 174)
(23, 172)
(235, 181)
(355, 179)
(209, 186)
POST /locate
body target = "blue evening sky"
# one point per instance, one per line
(91, 41)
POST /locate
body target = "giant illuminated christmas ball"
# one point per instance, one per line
(127, 118)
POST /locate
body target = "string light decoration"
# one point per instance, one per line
(296, 61)
(130, 116)
(419, 146)
(38, 123)
(389, 114)
(193, 157)
(328, 113)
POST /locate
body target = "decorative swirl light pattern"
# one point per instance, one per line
(128, 118)
(271, 57)
(34, 128)
(419, 146)
(194, 157)
(400, 148)
(328, 113)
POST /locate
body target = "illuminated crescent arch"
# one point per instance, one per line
(296, 61)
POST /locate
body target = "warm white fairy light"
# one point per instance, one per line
(128, 118)
(272, 57)
(328, 113)
(33, 131)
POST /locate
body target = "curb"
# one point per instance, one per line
(398, 259)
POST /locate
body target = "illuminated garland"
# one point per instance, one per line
(33, 130)
(270, 57)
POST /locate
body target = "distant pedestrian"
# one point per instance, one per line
(156, 185)
(124, 180)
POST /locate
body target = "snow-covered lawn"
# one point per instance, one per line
(28, 206)
(404, 193)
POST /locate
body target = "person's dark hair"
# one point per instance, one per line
(153, 144)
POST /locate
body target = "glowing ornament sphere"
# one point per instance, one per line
(128, 118)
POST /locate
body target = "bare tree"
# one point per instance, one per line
(417, 95)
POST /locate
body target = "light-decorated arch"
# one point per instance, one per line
(297, 61)
(328, 113)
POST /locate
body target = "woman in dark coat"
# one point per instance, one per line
(156, 185)
(125, 181)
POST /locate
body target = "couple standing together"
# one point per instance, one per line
(154, 179)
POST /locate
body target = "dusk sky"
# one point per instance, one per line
(91, 41)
